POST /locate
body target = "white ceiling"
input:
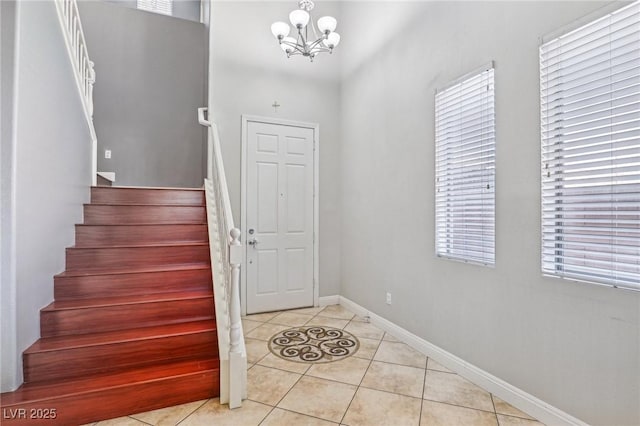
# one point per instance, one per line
(242, 31)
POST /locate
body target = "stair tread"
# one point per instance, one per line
(145, 205)
(133, 270)
(127, 300)
(148, 245)
(140, 224)
(45, 390)
(109, 337)
(147, 223)
(150, 187)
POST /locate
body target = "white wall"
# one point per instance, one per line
(305, 91)
(8, 354)
(51, 173)
(575, 346)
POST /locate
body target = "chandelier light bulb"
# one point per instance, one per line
(280, 29)
(288, 48)
(299, 18)
(332, 40)
(327, 24)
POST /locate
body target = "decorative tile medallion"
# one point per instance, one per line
(315, 344)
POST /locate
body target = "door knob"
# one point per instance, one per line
(252, 242)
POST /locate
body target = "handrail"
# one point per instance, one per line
(83, 67)
(226, 259)
(214, 156)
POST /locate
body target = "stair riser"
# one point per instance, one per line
(115, 285)
(71, 363)
(113, 235)
(122, 258)
(115, 402)
(122, 317)
(114, 215)
(146, 196)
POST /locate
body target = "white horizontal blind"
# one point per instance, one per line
(465, 170)
(590, 112)
(164, 7)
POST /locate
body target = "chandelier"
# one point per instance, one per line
(303, 45)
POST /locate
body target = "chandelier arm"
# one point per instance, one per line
(306, 36)
(303, 41)
(289, 43)
(316, 43)
(326, 50)
(313, 28)
(298, 49)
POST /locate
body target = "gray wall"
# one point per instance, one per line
(573, 345)
(306, 92)
(150, 81)
(51, 173)
(8, 344)
(185, 9)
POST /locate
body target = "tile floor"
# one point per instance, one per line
(385, 383)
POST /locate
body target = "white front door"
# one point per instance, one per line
(279, 217)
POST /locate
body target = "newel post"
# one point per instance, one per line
(236, 364)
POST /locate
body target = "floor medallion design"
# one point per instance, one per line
(316, 344)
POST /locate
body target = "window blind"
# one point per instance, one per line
(164, 7)
(590, 134)
(465, 170)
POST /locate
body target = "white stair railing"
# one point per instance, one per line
(226, 259)
(83, 71)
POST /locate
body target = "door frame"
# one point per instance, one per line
(246, 119)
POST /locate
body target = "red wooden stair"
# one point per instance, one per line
(132, 327)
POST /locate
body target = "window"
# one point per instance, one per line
(465, 170)
(164, 7)
(590, 134)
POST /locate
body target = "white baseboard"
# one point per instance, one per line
(520, 399)
(329, 300)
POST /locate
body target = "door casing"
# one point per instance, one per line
(246, 119)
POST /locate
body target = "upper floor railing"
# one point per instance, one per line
(226, 259)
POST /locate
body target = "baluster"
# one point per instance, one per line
(83, 76)
(67, 15)
(74, 41)
(78, 48)
(92, 80)
(235, 350)
(87, 85)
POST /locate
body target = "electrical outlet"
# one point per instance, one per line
(107, 154)
(388, 298)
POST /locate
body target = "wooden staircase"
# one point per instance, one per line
(132, 327)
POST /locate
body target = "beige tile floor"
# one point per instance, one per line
(385, 383)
